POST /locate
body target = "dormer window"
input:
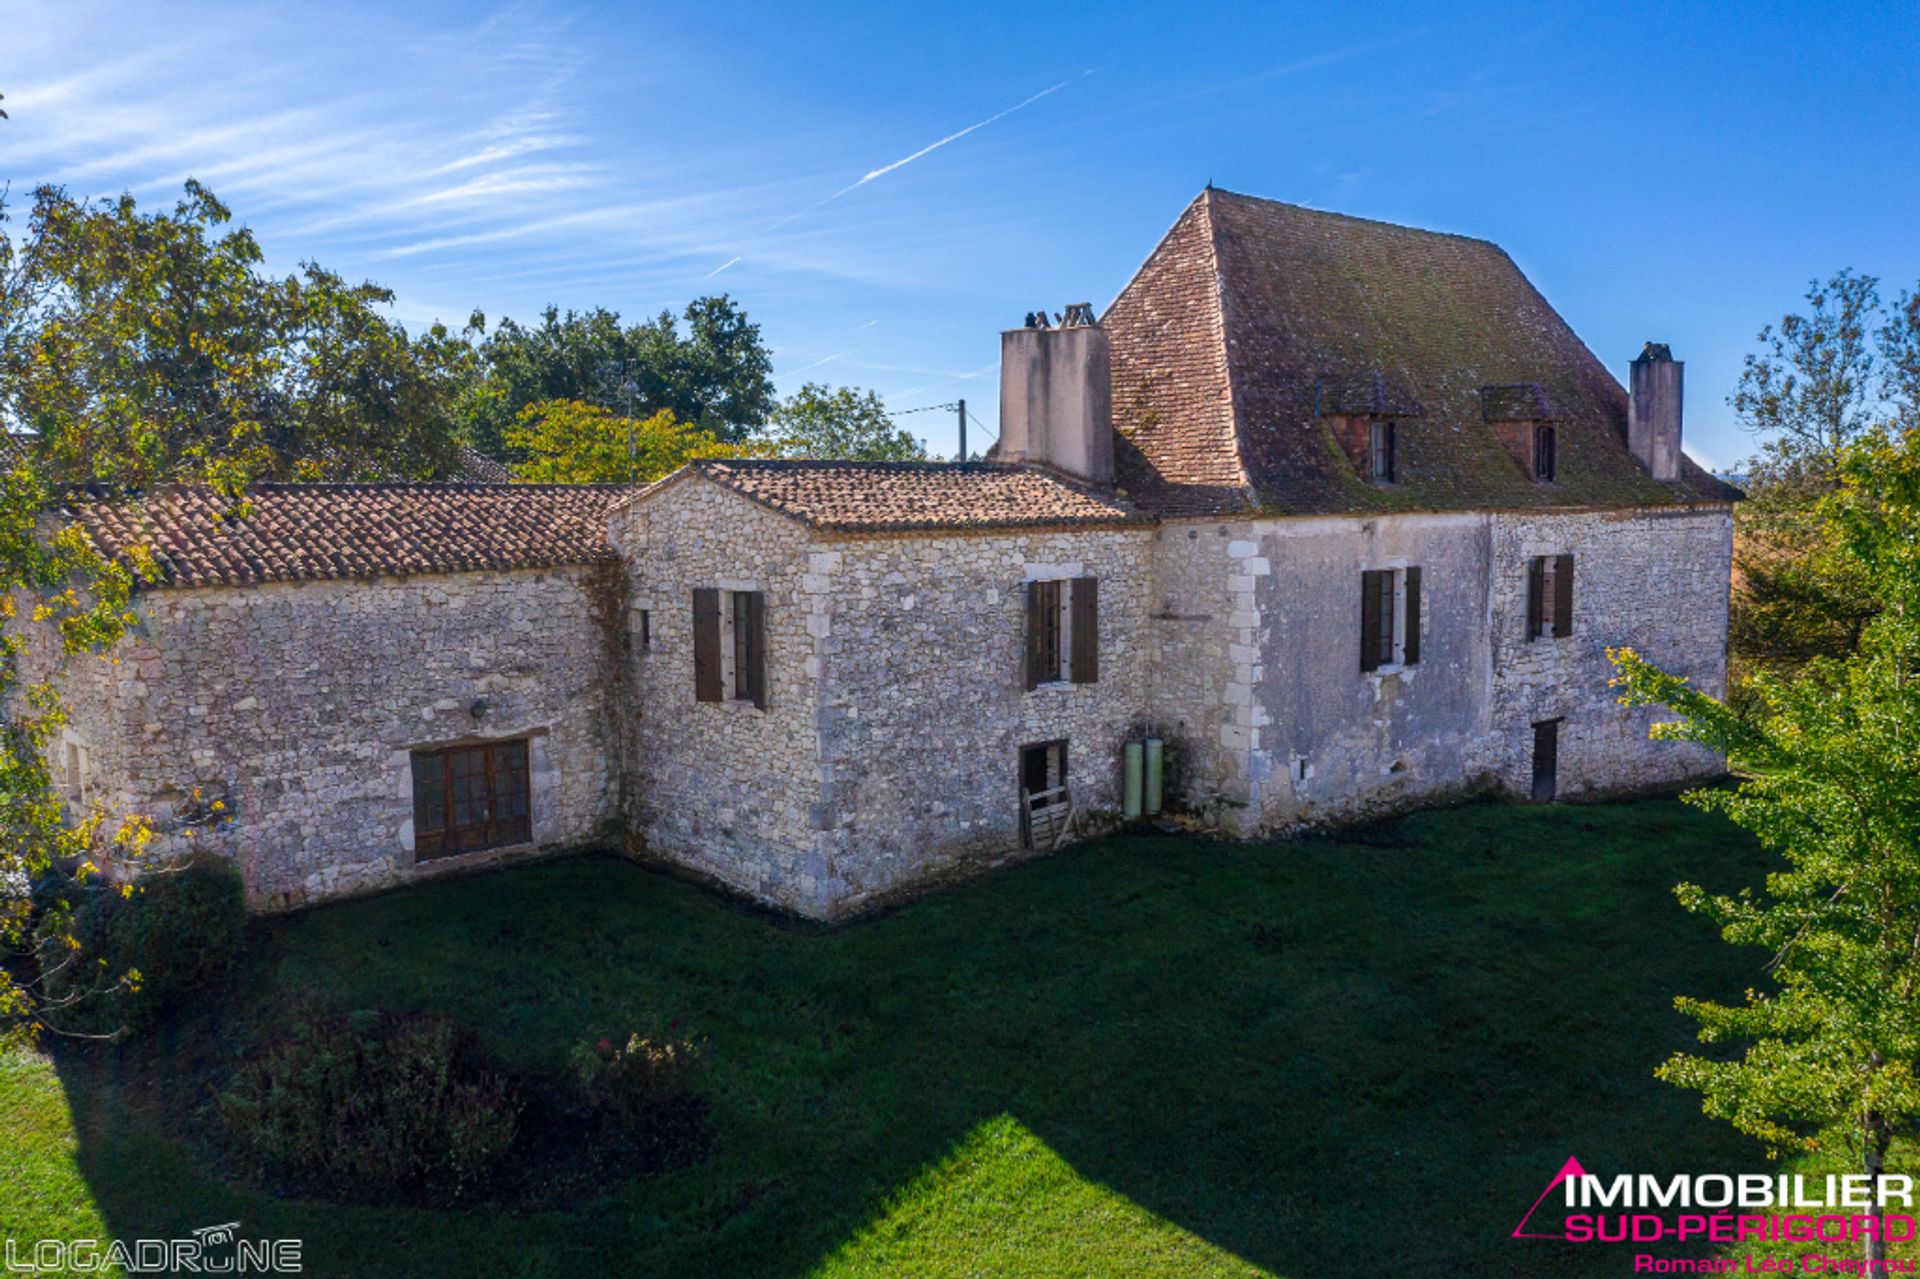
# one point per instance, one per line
(1523, 419)
(1382, 440)
(1544, 460)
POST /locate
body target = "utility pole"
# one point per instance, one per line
(627, 389)
(963, 430)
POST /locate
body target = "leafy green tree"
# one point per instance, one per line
(571, 442)
(717, 374)
(1829, 777)
(824, 422)
(142, 347)
(1842, 372)
(59, 596)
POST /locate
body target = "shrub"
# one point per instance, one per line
(636, 1084)
(176, 929)
(374, 1103)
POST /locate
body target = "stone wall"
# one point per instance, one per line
(924, 706)
(1341, 741)
(1256, 672)
(296, 705)
(1204, 631)
(1651, 579)
(887, 756)
(723, 788)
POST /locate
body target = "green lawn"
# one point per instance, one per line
(1143, 1056)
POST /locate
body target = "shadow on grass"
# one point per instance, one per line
(1320, 1058)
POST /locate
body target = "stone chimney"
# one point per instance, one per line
(1653, 413)
(1056, 395)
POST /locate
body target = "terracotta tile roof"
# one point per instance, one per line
(1250, 309)
(477, 468)
(879, 497)
(302, 532)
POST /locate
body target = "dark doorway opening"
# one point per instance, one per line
(1043, 782)
(1546, 759)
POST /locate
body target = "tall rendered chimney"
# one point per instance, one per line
(1056, 396)
(1653, 413)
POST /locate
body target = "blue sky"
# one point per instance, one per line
(1674, 172)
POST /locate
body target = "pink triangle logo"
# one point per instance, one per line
(1571, 1168)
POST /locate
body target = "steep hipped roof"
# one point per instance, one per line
(1250, 313)
(301, 532)
(898, 497)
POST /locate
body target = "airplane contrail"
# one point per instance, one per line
(885, 169)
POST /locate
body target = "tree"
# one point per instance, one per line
(821, 422)
(717, 375)
(1812, 387)
(1822, 381)
(135, 349)
(571, 442)
(1829, 779)
(57, 593)
(144, 347)
(1900, 357)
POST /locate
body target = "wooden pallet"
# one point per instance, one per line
(1048, 816)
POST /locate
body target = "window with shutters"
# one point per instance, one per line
(1389, 618)
(1550, 597)
(1545, 463)
(730, 646)
(1382, 443)
(470, 798)
(1063, 631)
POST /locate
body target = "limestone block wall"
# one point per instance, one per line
(1204, 630)
(924, 707)
(297, 704)
(1653, 579)
(723, 788)
(1339, 741)
(1256, 671)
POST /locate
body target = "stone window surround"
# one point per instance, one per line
(542, 779)
(1398, 666)
(1064, 574)
(729, 678)
(1548, 634)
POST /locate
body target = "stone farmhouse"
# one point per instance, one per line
(1341, 511)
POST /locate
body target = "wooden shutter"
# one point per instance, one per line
(1034, 623)
(706, 645)
(1563, 595)
(1086, 629)
(1536, 589)
(1369, 621)
(757, 648)
(1410, 650)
